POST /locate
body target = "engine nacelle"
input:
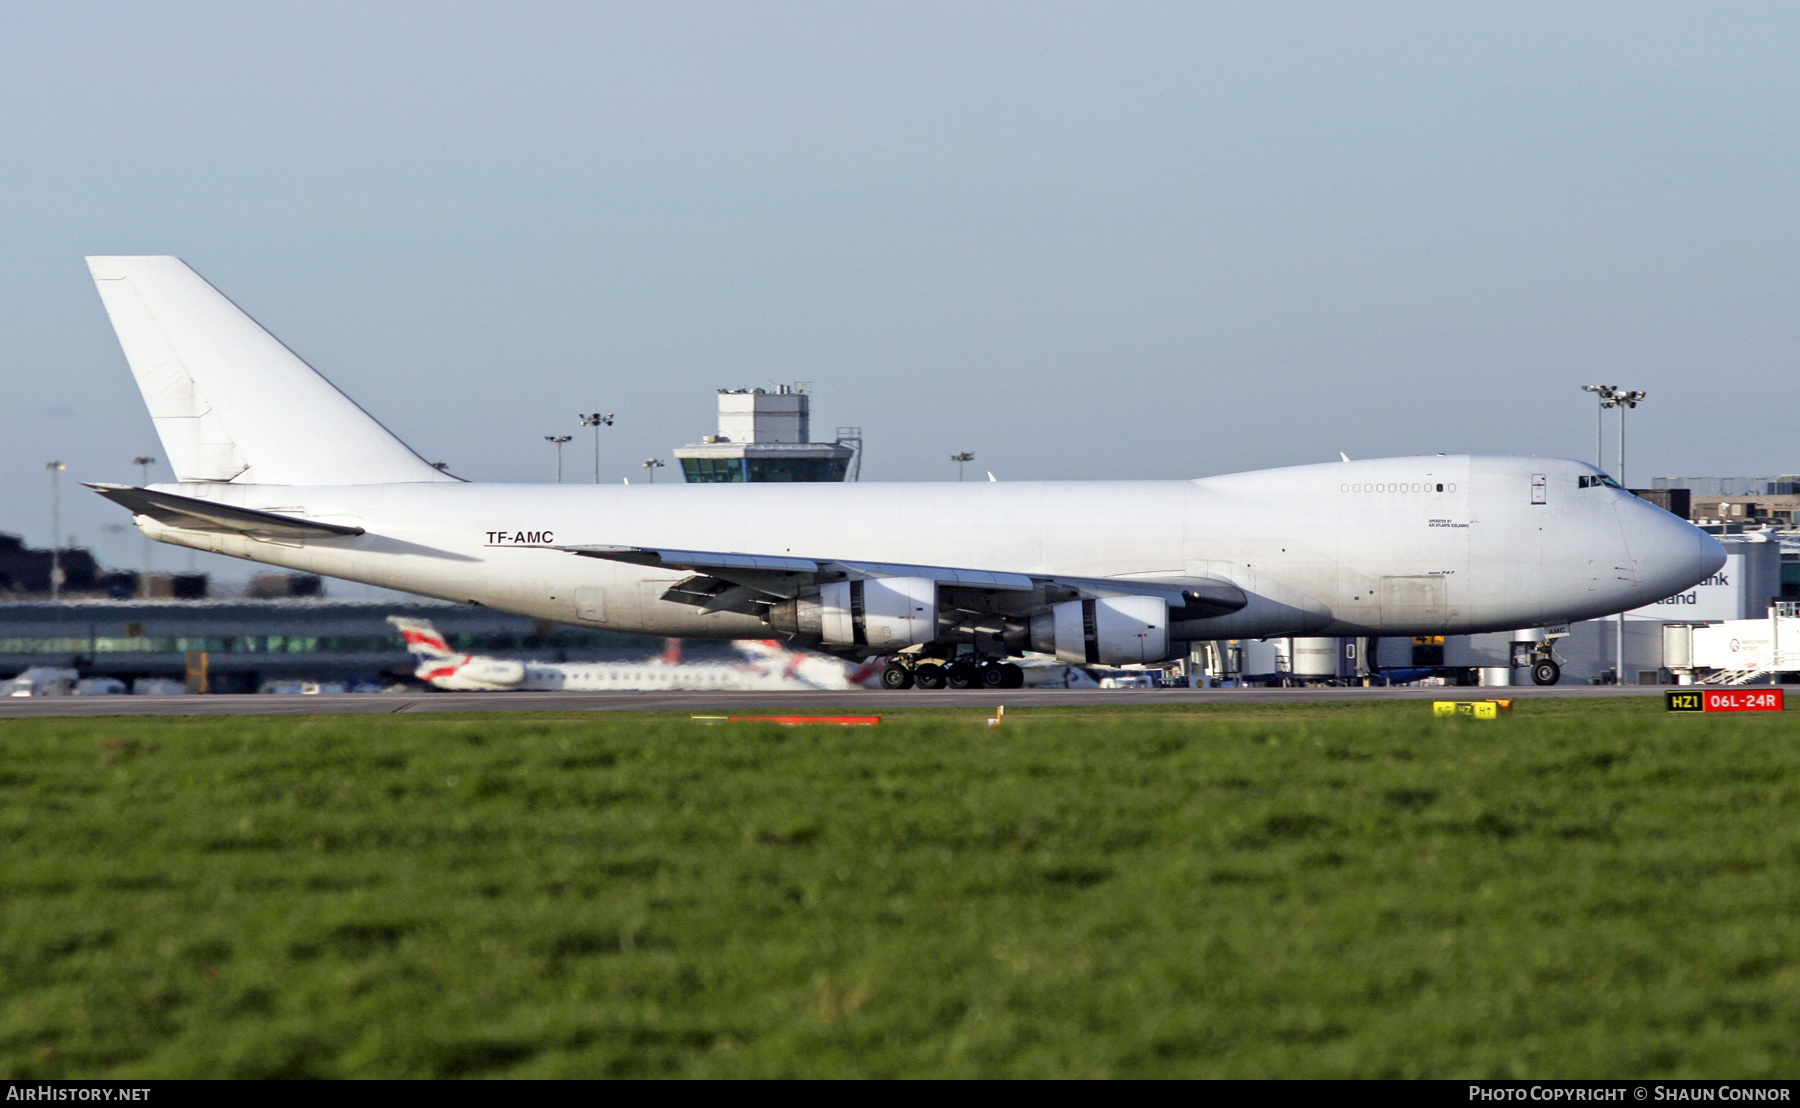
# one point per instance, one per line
(1111, 630)
(884, 612)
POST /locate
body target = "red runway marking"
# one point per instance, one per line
(795, 721)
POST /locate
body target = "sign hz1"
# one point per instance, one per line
(1725, 700)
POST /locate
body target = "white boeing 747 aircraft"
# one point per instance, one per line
(274, 464)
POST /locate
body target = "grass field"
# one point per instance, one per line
(1587, 888)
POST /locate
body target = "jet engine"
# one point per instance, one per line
(1110, 630)
(886, 613)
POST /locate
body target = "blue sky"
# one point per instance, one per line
(1080, 240)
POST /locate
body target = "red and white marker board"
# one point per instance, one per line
(1726, 700)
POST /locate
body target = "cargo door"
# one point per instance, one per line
(1412, 604)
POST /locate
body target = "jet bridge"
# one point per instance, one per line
(1735, 651)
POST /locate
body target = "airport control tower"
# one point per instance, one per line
(767, 436)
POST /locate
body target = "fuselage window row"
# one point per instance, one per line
(1398, 487)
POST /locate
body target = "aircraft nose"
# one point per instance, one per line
(1671, 554)
(1709, 554)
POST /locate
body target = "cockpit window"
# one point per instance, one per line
(1598, 480)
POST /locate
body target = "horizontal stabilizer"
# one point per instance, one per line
(191, 514)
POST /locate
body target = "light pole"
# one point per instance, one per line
(55, 469)
(1623, 400)
(653, 464)
(960, 460)
(597, 420)
(144, 462)
(1602, 393)
(558, 440)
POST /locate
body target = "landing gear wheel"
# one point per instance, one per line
(1545, 673)
(1015, 677)
(961, 675)
(896, 676)
(993, 676)
(931, 677)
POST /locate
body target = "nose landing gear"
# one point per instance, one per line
(1537, 657)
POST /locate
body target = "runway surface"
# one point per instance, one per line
(777, 703)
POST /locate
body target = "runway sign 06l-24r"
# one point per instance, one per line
(1725, 700)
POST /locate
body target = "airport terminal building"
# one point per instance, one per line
(248, 645)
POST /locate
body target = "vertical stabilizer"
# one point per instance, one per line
(423, 641)
(230, 402)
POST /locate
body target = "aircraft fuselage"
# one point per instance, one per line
(1429, 544)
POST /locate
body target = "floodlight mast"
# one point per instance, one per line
(961, 459)
(596, 420)
(1602, 393)
(558, 440)
(1625, 400)
(653, 464)
(144, 462)
(1621, 399)
(55, 469)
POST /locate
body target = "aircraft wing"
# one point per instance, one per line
(740, 582)
(192, 514)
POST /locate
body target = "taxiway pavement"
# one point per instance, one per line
(775, 703)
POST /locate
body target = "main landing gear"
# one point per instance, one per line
(906, 672)
(1536, 657)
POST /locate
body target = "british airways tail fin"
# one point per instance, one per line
(231, 403)
(423, 641)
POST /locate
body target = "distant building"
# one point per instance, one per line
(249, 643)
(27, 571)
(269, 586)
(1731, 501)
(169, 586)
(1785, 484)
(767, 436)
(1675, 501)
